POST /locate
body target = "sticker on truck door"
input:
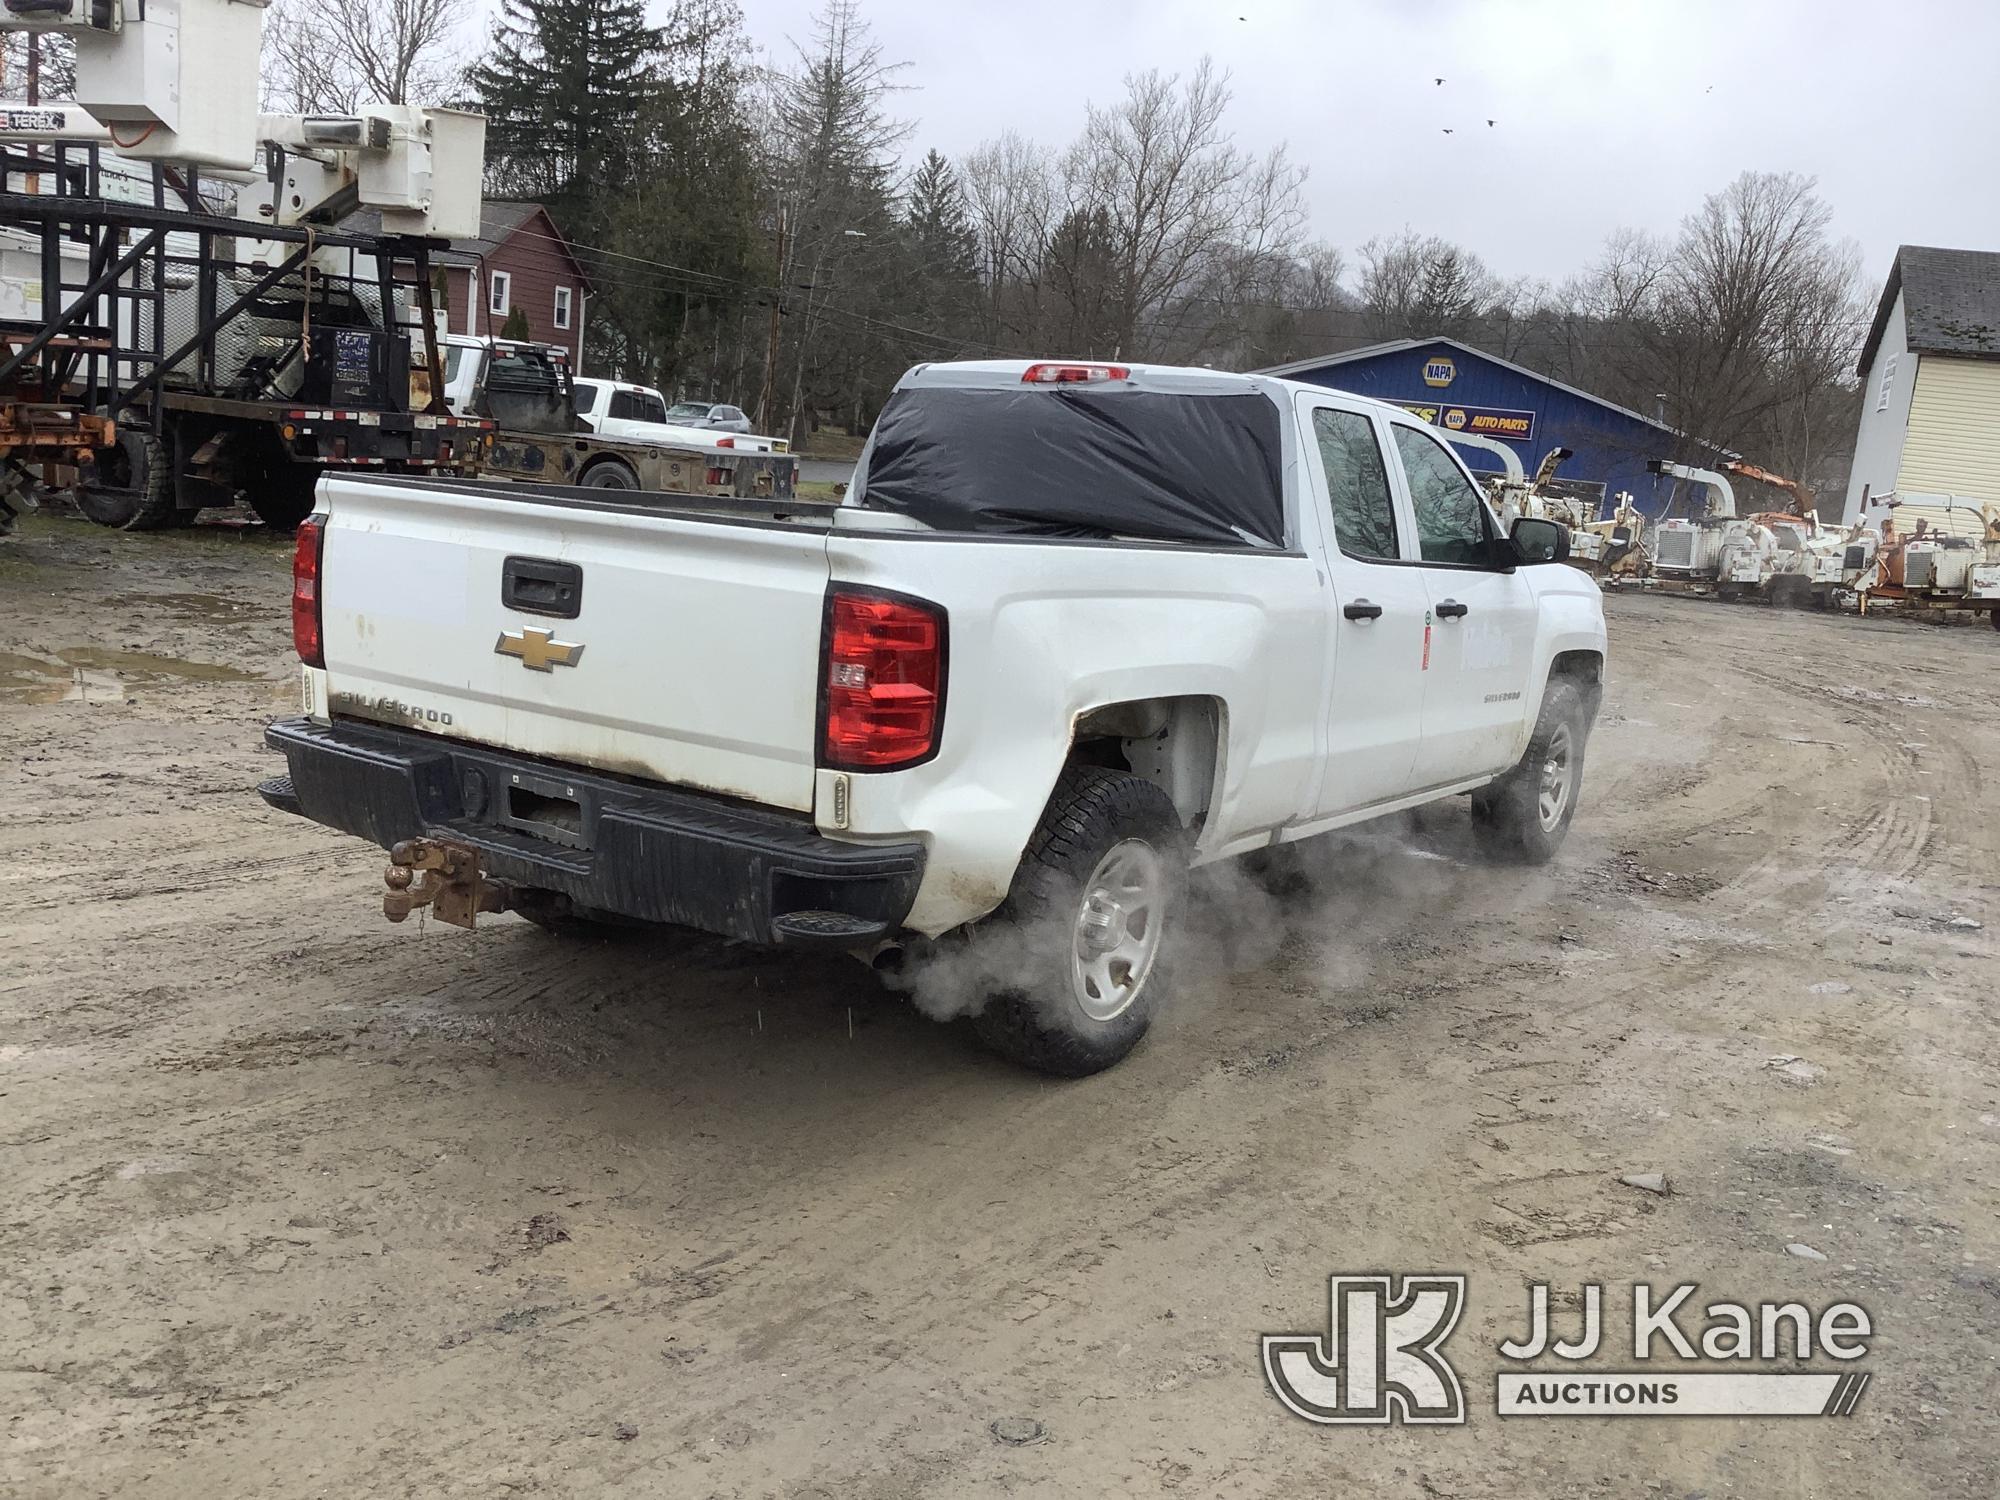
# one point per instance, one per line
(1427, 641)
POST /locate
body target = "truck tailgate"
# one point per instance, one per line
(689, 653)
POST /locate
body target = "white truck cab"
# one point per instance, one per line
(1076, 628)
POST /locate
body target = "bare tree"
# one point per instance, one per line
(1420, 286)
(37, 66)
(1745, 324)
(1185, 210)
(1010, 183)
(328, 56)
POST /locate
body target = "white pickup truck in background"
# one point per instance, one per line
(1077, 628)
(638, 413)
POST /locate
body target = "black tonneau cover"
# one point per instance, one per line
(1066, 461)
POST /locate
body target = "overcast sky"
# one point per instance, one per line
(1608, 113)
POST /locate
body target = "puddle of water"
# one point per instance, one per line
(93, 674)
(205, 607)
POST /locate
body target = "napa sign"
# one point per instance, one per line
(1481, 421)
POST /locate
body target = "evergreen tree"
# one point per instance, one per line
(564, 89)
(690, 250)
(943, 250)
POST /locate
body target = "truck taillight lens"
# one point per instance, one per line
(884, 684)
(306, 550)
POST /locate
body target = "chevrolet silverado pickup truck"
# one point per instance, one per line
(1076, 628)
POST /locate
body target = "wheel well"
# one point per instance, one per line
(1586, 670)
(1175, 743)
(608, 461)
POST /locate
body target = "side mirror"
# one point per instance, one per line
(1540, 541)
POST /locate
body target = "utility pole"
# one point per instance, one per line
(35, 97)
(771, 352)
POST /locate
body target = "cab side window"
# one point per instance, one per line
(1357, 482)
(1451, 518)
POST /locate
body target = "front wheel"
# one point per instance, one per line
(1524, 816)
(1085, 939)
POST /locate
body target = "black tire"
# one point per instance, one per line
(1995, 617)
(284, 494)
(1509, 816)
(612, 474)
(1096, 820)
(130, 486)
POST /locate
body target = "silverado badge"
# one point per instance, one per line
(538, 650)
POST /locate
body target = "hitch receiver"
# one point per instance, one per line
(443, 876)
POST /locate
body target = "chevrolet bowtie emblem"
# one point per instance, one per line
(538, 650)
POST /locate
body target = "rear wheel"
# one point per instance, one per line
(1085, 938)
(130, 485)
(284, 494)
(1524, 816)
(613, 474)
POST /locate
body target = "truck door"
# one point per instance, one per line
(1482, 642)
(1376, 604)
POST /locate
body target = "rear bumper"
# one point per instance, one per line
(651, 853)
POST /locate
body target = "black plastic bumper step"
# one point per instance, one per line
(281, 794)
(829, 927)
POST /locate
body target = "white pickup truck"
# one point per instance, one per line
(1077, 628)
(619, 409)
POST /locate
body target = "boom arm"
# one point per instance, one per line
(1802, 498)
(1722, 503)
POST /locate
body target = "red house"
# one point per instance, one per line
(519, 260)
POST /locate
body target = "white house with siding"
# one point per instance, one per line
(1930, 412)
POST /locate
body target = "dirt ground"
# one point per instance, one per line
(298, 1203)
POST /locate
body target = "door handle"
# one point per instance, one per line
(1361, 609)
(1451, 609)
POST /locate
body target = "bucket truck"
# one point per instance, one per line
(204, 332)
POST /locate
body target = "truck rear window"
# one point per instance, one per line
(1082, 463)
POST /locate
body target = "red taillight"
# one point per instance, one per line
(306, 549)
(725, 442)
(1073, 374)
(884, 682)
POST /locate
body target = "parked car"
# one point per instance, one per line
(988, 709)
(702, 414)
(619, 409)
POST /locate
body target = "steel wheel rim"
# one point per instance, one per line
(1558, 772)
(1120, 918)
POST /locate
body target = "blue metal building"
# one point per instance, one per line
(1460, 389)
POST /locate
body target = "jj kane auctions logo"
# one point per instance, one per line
(1382, 1358)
